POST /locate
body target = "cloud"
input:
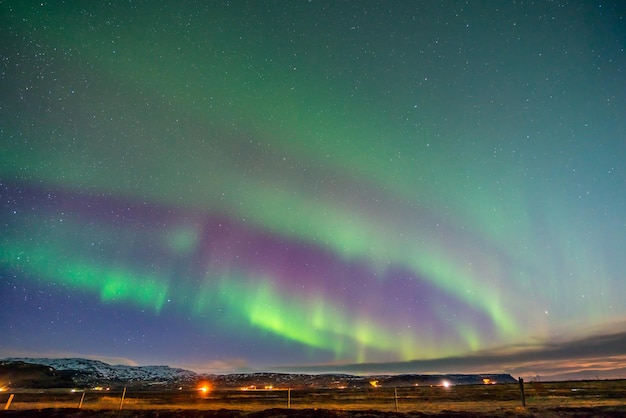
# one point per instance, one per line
(600, 352)
(218, 366)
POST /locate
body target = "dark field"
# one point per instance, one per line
(563, 399)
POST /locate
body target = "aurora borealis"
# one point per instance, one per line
(260, 185)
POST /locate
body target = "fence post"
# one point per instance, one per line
(8, 404)
(123, 396)
(82, 398)
(395, 396)
(288, 398)
(521, 388)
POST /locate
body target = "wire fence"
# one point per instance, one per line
(481, 398)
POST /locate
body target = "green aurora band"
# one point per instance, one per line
(288, 158)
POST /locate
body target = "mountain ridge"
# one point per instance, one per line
(95, 373)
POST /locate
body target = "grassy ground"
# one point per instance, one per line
(580, 399)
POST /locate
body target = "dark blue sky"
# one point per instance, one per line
(403, 187)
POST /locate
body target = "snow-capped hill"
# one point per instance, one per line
(95, 371)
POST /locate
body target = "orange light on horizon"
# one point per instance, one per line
(204, 387)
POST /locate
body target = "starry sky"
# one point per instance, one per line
(309, 185)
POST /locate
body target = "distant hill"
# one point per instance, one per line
(323, 381)
(33, 376)
(78, 372)
(92, 373)
(585, 375)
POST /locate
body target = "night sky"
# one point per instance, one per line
(325, 186)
